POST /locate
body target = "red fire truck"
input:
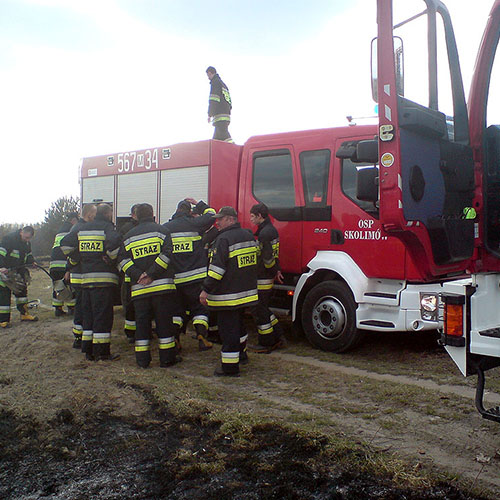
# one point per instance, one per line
(390, 227)
(439, 181)
(343, 273)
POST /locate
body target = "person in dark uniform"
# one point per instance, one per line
(95, 245)
(219, 106)
(127, 303)
(145, 257)
(231, 285)
(57, 268)
(189, 259)
(268, 270)
(15, 255)
(74, 276)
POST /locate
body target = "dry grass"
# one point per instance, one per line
(359, 417)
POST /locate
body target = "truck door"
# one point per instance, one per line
(272, 178)
(356, 228)
(427, 177)
(484, 112)
(484, 103)
(316, 168)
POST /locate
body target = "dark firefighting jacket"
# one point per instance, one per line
(73, 266)
(130, 224)
(94, 245)
(15, 253)
(219, 101)
(148, 248)
(268, 254)
(232, 272)
(58, 260)
(189, 256)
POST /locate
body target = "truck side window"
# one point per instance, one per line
(315, 168)
(349, 180)
(273, 178)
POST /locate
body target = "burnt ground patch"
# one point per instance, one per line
(188, 457)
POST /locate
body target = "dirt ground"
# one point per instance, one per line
(392, 420)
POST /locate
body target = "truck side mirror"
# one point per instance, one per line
(366, 152)
(367, 184)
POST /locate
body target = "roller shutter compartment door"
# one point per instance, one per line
(98, 189)
(180, 183)
(136, 188)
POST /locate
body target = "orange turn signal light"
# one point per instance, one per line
(290, 293)
(453, 319)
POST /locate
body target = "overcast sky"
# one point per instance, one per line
(90, 77)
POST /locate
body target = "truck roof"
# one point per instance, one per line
(198, 153)
(334, 132)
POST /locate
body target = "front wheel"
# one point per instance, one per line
(329, 317)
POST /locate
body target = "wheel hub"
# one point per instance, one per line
(328, 317)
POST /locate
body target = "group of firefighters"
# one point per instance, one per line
(200, 266)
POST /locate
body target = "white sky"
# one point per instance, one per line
(90, 77)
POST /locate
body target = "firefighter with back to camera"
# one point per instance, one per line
(57, 270)
(127, 303)
(145, 256)
(231, 285)
(189, 259)
(15, 255)
(74, 275)
(95, 245)
(269, 331)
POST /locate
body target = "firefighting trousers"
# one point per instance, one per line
(78, 314)
(128, 305)
(234, 338)
(97, 309)
(213, 328)
(268, 328)
(221, 132)
(159, 308)
(21, 302)
(187, 298)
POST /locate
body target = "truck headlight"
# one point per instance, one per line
(429, 306)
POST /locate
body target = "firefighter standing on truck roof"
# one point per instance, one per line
(127, 303)
(189, 258)
(74, 274)
(268, 328)
(231, 285)
(57, 268)
(15, 254)
(219, 106)
(145, 257)
(95, 245)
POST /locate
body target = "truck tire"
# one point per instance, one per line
(329, 317)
